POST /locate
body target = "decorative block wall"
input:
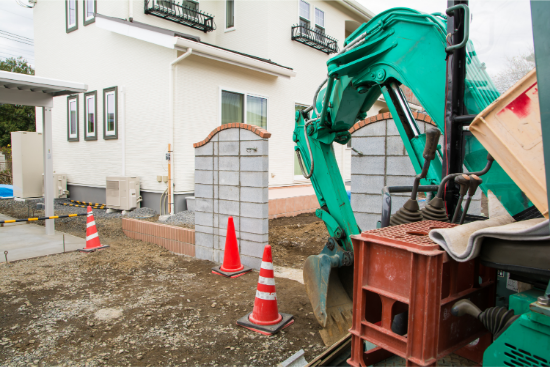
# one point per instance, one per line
(176, 239)
(231, 179)
(384, 162)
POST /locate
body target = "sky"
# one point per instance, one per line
(18, 21)
(499, 28)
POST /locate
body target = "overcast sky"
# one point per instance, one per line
(18, 21)
(499, 28)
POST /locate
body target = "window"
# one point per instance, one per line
(229, 14)
(72, 118)
(304, 10)
(166, 3)
(110, 113)
(90, 116)
(319, 18)
(71, 18)
(234, 106)
(89, 11)
(193, 5)
(297, 171)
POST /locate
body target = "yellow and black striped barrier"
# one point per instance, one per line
(85, 206)
(43, 218)
(86, 203)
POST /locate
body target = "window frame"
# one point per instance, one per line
(86, 136)
(106, 134)
(69, 29)
(72, 137)
(91, 20)
(245, 94)
(300, 177)
(309, 12)
(234, 17)
(315, 16)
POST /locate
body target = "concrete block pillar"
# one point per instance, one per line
(231, 179)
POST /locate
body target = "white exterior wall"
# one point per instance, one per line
(103, 59)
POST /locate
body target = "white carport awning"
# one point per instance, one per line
(30, 90)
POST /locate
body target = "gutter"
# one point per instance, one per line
(215, 53)
(357, 8)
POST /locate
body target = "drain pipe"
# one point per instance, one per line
(171, 97)
(131, 10)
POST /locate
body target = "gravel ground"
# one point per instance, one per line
(137, 304)
(184, 219)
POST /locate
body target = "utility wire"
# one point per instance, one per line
(17, 36)
(15, 40)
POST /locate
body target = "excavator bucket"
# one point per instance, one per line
(329, 289)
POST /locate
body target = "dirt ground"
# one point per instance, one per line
(138, 304)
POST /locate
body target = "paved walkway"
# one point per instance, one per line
(24, 241)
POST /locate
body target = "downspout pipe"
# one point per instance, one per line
(131, 10)
(171, 99)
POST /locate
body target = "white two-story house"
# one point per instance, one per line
(165, 72)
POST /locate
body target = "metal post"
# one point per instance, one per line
(454, 102)
(540, 13)
(48, 169)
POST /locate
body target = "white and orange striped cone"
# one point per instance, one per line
(92, 237)
(265, 317)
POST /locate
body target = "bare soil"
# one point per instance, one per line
(138, 304)
(294, 239)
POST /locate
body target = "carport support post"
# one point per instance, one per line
(48, 169)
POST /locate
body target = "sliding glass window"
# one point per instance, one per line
(234, 106)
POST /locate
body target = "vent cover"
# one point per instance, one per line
(520, 357)
(113, 194)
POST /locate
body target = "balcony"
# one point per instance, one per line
(315, 39)
(187, 14)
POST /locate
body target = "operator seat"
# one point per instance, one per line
(528, 261)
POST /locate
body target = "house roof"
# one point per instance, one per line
(357, 8)
(176, 40)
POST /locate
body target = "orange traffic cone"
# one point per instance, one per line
(265, 317)
(231, 267)
(92, 237)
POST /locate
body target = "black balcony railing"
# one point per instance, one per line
(182, 14)
(314, 38)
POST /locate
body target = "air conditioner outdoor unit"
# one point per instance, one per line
(59, 185)
(122, 193)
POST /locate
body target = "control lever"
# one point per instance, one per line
(435, 210)
(464, 182)
(475, 181)
(410, 212)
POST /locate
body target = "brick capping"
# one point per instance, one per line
(176, 239)
(262, 133)
(386, 116)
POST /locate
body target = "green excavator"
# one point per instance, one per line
(432, 55)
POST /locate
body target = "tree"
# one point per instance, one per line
(15, 117)
(516, 68)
